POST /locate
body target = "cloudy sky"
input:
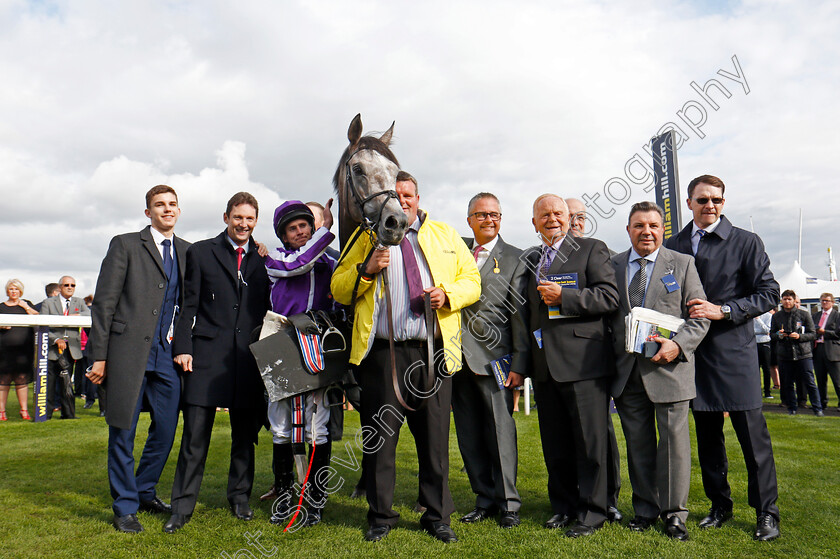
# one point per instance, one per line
(101, 100)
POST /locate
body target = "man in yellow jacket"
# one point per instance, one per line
(431, 259)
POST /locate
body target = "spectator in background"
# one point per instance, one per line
(51, 290)
(90, 389)
(63, 341)
(16, 351)
(827, 347)
(761, 327)
(793, 328)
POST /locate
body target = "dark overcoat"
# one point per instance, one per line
(734, 269)
(126, 304)
(220, 311)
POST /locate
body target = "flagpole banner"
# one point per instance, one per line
(42, 345)
(666, 174)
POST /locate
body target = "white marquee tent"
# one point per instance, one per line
(806, 286)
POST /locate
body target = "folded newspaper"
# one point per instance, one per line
(642, 325)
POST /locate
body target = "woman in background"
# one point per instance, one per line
(16, 351)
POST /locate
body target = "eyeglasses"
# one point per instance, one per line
(68, 285)
(481, 216)
(703, 201)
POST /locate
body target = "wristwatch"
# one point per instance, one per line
(727, 311)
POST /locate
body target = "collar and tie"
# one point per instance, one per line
(167, 258)
(239, 252)
(477, 251)
(823, 320)
(701, 233)
(636, 289)
(412, 274)
(67, 307)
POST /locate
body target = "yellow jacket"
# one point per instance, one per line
(453, 269)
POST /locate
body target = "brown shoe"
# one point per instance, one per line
(271, 494)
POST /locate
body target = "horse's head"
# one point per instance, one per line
(365, 182)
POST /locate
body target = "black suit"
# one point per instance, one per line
(734, 269)
(571, 372)
(827, 355)
(226, 308)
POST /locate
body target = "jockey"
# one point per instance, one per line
(300, 281)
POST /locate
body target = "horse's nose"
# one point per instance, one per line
(393, 223)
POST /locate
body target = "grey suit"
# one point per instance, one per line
(55, 305)
(492, 328)
(651, 397)
(73, 337)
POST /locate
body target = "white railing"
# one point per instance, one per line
(53, 320)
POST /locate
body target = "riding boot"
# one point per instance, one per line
(283, 464)
(317, 491)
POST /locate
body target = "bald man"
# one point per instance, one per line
(572, 290)
(577, 227)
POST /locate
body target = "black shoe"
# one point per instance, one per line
(376, 532)
(88, 404)
(791, 412)
(509, 519)
(675, 529)
(313, 516)
(766, 529)
(440, 531)
(477, 514)
(641, 523)
(175, 522)
(242, 511)
(155, 506)
(715, 518)
(614, 515)
(358, 493)
(558, 521)
(127, 524)
(580, 530)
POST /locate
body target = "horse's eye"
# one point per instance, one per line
(357, 170)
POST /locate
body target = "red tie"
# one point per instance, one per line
(239, 252)
(476, 252)
(67, 308)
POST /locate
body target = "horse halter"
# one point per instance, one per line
(360, 202)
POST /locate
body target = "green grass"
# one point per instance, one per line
(56, 503)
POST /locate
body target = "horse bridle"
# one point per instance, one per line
(368, 226)
(367, 223)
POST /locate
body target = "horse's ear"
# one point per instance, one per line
(355, 130)
(386, 137)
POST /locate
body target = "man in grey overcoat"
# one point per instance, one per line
(138, 294)
(492, 328)
(653, 394)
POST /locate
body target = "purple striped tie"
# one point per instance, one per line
(412, 274)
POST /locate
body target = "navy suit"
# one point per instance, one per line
(734, 269)
(133, 309)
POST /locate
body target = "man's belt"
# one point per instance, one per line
(430, 342)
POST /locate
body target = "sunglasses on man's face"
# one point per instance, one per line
(68, 285)
(703, 201)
